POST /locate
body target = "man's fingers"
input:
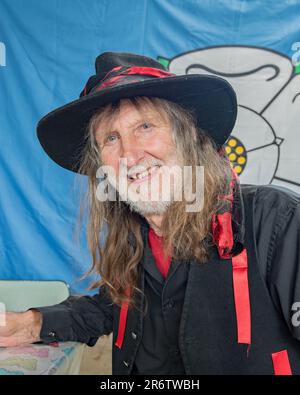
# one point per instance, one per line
(7, 342)
(5, 326)
(11, 341)
(20, 329)
(2, 319)
(5, 331)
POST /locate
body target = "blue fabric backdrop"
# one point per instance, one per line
(47, 52)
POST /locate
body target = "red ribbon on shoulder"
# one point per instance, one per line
(122, 321)
(241, 296)
(223, 238)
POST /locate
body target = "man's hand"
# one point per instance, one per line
(20, 328)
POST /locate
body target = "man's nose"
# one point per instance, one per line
(131, 152)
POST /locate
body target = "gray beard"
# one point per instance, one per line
(143, 207)
(147, 208)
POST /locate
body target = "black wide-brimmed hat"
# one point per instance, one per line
(211, 99)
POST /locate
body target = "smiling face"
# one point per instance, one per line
(140, 141)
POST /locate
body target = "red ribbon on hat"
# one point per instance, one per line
(119, 73)
(149, 71)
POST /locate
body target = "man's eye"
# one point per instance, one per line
(111, 138)
(146, 126)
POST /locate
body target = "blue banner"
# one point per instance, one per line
(47, 52)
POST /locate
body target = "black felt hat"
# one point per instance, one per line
(211, 99)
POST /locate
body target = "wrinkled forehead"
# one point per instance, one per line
(131, 110)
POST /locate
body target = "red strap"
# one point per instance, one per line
(156, 245)
(281, 363)
(111, 82)
(122, 322)
(223, 238)
(149, 71)
(241, 297)
(112, 71)
(222, 233)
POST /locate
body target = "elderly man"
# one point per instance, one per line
(201, 282)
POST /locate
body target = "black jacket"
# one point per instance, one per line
(268, 225)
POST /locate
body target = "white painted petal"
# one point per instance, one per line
(284, 116)
(257, 74)
(261, 166)
(252, 130)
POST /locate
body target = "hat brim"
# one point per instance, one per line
(211, 99)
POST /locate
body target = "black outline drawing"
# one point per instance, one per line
(277, 141)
